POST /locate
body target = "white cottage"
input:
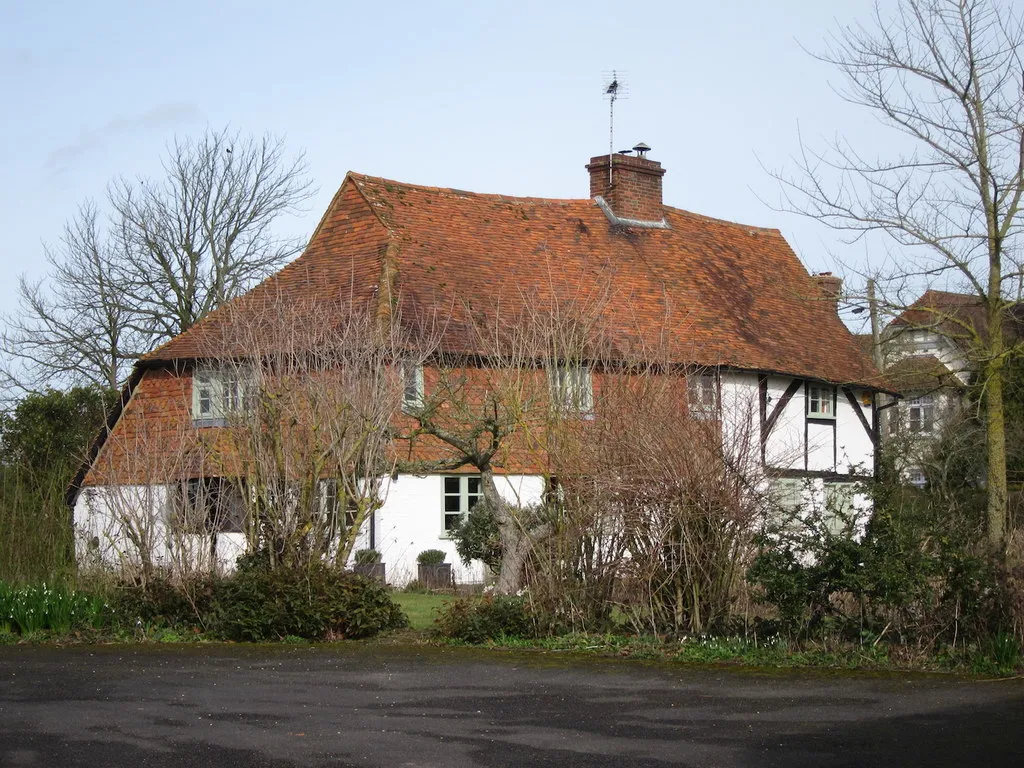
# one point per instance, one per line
(754, 340)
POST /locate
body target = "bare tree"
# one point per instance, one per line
(173, 249)
(204, 233)
(491, 407)
(947, 75)
(80, 327)
(307, 391)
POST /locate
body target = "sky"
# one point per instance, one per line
(485, 96)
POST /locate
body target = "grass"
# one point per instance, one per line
(421, 608)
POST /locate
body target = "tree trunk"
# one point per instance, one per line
(996, 445)
(513, 556)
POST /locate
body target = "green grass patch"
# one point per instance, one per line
(420, 608)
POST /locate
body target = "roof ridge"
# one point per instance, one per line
(381, 181)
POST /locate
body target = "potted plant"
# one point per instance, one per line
(367, 563)
(434, 572)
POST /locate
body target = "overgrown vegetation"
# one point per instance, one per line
(42, 442)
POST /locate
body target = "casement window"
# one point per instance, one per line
(839, 510)
(702, 395)
(412, 386)
(460, 494)
(208, 505)
(917, 477)
(218, 394)
(921, 341)
(821, 402)
(330, 504)
(921, 414)
(572, 388)
(787, 496)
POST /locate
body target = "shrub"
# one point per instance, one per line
(474, 620)
(316, 602)
(165, 601)
(367, 557)
(477, 537)
(431, 557)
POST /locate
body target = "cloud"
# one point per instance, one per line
(159, 117)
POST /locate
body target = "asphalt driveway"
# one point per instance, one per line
(366, 706)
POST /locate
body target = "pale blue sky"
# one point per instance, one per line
(491, 97)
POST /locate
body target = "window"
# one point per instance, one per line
(917, 477)
(702, 395)
(218, 394)
(788, 496)
(209, 505)
(839, 511)
(461, 494)
(821, 402)
(571, 388)
(329, 503)
(921, 341)
(412, 386)
(921, 414)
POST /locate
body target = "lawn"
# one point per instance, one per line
(420, 608)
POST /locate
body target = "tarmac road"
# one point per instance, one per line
(244, 707)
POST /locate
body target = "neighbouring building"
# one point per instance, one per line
(757, 338)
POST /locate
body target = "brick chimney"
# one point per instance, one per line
(830, 287)
(634, 191)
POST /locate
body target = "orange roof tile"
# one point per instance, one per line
(722, 293)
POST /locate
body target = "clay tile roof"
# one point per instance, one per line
(948, 313)
(723, 293)
(921, 373)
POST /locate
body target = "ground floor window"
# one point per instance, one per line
(209, 505)
(461, 494)
(838, 517)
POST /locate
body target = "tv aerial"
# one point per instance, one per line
(613, 89)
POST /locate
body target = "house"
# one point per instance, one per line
(926, 355)
(731, 304)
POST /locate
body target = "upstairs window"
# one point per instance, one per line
(702, 395)
(461, 494)
(218, 394)
(821, 402)
(412, 386)
(921, 414)
(572, 389)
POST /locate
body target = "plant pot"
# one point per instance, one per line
(370, 570)
(436, 576)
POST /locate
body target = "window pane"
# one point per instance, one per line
(473, 484)
(451, 522)
(451, 485)
(452, 503)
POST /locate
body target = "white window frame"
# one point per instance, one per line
(467, 499)
(702, 395)
(819, 394)
(572, 388)
(218, 393)
(922, 410)
(839, 507)
(412, 386)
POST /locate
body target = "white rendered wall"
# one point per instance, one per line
(412, 520)
(113, 523)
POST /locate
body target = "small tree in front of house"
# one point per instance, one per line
(491, 408)
(309, 392)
